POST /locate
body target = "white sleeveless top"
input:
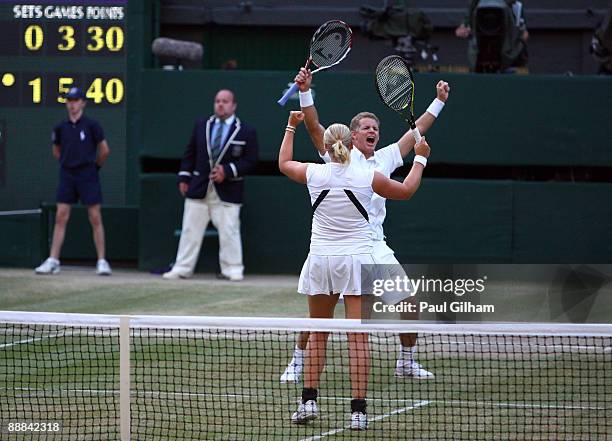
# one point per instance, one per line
(338, 228)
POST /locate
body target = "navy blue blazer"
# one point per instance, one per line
(239, 156)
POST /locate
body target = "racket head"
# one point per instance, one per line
(395, 84)
(330, 44)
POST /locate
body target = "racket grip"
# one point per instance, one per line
(288, 94)
(417, 134)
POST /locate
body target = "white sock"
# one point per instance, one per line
(298, 354)
(407, 354)
(54, 260)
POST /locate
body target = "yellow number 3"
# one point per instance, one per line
(96, 33)
(68, 37)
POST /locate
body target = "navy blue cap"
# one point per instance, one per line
(75, 94)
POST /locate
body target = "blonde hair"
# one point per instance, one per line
(337, 138)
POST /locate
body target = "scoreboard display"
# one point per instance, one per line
(47, 47)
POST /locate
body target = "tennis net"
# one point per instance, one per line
(100, 377)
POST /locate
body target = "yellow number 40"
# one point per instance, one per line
(113, 91)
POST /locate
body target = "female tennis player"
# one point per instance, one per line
(341, 241)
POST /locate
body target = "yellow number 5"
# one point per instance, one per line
(68, 37)
(96, 33)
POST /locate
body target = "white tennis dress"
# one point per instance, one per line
(342, 238)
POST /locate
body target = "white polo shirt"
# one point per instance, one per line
(385, 161)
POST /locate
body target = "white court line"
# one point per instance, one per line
(160, 394)
(32, 340)
(378, 418)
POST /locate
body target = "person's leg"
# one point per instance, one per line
(196, 216)
(293, 371)
(95, 219)
(319, 306)
(359, 351)
(406, 365)
(359, 364)
(62, 215)
(226, 218)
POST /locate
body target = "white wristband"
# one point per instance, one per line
(306, 99)
(435, 107)
(421, 160)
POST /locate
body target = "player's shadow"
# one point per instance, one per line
(573, 292)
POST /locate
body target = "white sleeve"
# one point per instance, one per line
(326, 159)
(390, 157)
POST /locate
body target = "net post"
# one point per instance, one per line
(124, 377)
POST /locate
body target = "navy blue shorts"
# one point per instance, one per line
(79, 184)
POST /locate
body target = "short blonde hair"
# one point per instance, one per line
(337, 138)
(357, 120)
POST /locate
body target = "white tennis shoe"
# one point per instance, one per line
(103, 268)
(359, 421)
(293, 372)
(412, 369)
(49, 266)
(306, 412)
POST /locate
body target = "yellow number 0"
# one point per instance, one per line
(34, 37)
(96, 33)
(68, 37)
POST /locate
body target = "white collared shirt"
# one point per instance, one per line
(384, 161)
(226, 127)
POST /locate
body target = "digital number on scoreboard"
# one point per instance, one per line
(48, 47)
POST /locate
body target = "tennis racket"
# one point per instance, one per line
(330, 44)
(395, 86)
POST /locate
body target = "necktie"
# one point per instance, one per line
(216, 144)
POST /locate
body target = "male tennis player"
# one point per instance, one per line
(365, 137)
(81, 149)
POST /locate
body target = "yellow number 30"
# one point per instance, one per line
(96, 33)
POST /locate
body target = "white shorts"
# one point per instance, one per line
(384, 255)
(333, 274)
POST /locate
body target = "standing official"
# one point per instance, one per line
(80, 148)
(221, 151)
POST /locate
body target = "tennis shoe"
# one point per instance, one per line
(293, 372)
(103, 268)
(49, 266)
(359, 421)
(306, 412)
(412, 369)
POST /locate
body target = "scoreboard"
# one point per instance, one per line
(47, 47)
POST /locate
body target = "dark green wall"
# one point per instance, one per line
(26, 239)
(501, 120)
(452, 221)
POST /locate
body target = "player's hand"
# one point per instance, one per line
(463, 31)
(183, 187)
(442, 89)
(422, 148)
(218, 174)
(303, 79)
(295, 118)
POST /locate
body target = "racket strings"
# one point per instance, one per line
(330, 44)
(394, 83)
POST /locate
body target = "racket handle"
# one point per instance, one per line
(417, 134)
(288, 94)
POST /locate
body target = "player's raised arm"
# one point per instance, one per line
(390, 189)
(311, 117)
(292, 169)
(406, 142)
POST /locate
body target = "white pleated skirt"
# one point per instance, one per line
(333, 274)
